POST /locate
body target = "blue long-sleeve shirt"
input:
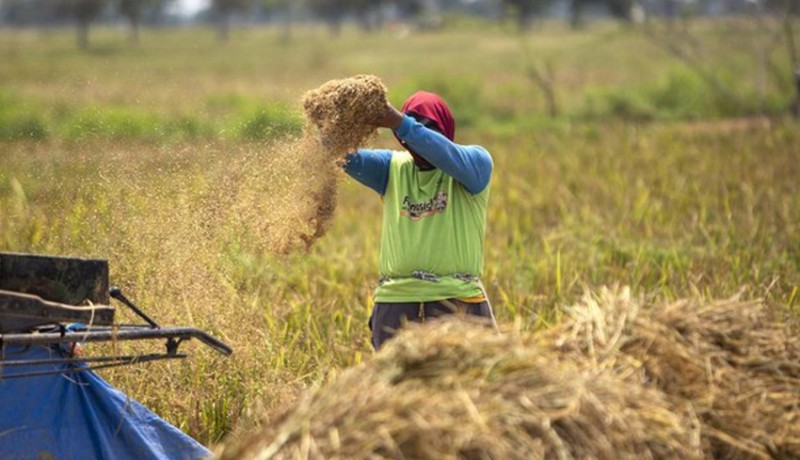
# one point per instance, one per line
(470, 165)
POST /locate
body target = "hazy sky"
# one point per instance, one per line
(191, 6)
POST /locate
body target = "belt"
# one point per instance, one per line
(433, 278)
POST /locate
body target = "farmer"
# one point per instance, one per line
(435, 197)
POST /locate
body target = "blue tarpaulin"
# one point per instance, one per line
(78, 415)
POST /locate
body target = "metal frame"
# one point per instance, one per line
(59, 334)
(43, 302)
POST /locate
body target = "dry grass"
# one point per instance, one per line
(668, 209)
(736, 364)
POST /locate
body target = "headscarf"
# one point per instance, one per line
(431, 106)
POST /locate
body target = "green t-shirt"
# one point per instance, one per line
(432, 236)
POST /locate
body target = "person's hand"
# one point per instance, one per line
(390, 118)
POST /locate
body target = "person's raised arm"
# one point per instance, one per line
(471, 165)
(370, 167)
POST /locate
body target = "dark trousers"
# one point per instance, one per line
(387, 318)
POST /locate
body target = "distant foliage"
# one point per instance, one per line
(111, 123)
(223, 10)
(18, 122)
(525, 10)
(22, 126)
(230, 117)
(269, 122)
(83, 12)
(680, 95)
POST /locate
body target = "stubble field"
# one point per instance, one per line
(172, 160)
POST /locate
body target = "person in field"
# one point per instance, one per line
(435, 196)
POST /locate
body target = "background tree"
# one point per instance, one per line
(25, 12)
(525, 10)
(330, 11)
(83, 12)
(284, 10)
(576, 12)
(223, 10)
(621, 9)
(788, 12)
(134, 11)
(410, 8)
(368, 12)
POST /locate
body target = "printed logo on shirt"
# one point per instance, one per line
(417, 211)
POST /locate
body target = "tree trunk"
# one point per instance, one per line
(83, 34)
(286, 30)
(576, 14)
(335, 26)
(522, 21)
(795, 61)
(223, 28)
(133, 37)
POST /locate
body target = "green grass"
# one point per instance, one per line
(143, 155)
(248, 88)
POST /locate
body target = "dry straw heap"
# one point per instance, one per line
(615, 379)
(343, 111)
(732, 361)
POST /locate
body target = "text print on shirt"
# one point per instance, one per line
(417, 211)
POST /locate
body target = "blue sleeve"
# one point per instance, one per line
(471, 165)
(370, 167)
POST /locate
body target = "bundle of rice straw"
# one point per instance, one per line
(452, 389)
(342, 111)
(737, 366)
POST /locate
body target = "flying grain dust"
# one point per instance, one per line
(286, 200)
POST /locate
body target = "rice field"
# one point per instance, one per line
(179, 170)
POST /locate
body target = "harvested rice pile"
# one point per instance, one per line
(453, 389)
(736, 364)
(615, 379)
(341, 110)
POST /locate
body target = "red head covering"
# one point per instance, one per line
(431, 106)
